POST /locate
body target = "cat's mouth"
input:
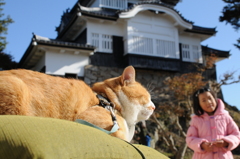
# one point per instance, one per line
(145, 114)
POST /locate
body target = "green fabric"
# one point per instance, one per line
(149, 152)
(23, 137)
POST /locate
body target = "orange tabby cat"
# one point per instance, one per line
(25, 92)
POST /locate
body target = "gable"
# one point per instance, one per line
(157, 9)
(150, 23)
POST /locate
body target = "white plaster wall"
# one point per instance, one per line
(105, 27)
(153, 20)
(189, 40)
(151, 29)
(40, 63)
(61, 63)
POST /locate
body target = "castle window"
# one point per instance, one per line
(95, 39)
(165, 48)
(152, 47)
(113, 4)
(191, 53)
(195, 51)
(142, 45)
(186, 52)
(103, 42)
(106, 43)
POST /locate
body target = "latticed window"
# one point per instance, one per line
(191, 53)
(115, 4)
(166, 48)
(95, 39)
(195, 51)
(142, 45)
(186, 52)
(107, 43)
(102, 42)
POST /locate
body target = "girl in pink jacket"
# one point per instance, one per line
(212, 133)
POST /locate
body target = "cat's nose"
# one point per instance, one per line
(153, 107)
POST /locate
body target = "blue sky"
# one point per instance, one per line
(42, 17)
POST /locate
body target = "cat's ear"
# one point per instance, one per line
(128, 75)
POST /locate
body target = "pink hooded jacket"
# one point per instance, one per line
(209, 128)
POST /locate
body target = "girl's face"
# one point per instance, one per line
(207, 102)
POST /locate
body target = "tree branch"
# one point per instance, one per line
(167, 138)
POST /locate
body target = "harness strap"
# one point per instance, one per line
(114, 128)
(104, 102)
(110, 107)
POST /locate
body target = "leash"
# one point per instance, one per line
(113, 130)
(105, 103)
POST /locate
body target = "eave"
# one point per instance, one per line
(38, 44)
(220, 54)
(100, 13)
(202, 30)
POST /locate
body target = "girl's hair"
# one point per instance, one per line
(196, 104)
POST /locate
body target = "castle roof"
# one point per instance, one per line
(219, 53)
(69, 17)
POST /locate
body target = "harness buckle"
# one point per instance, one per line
(109, 106)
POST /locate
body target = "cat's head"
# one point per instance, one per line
(132, 100)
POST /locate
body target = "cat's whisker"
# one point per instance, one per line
(150, 88)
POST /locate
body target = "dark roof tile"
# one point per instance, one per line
(202, 30)
(219, 53)
(56, 42)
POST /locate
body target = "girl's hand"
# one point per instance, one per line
(207, 146)
(220, 143)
